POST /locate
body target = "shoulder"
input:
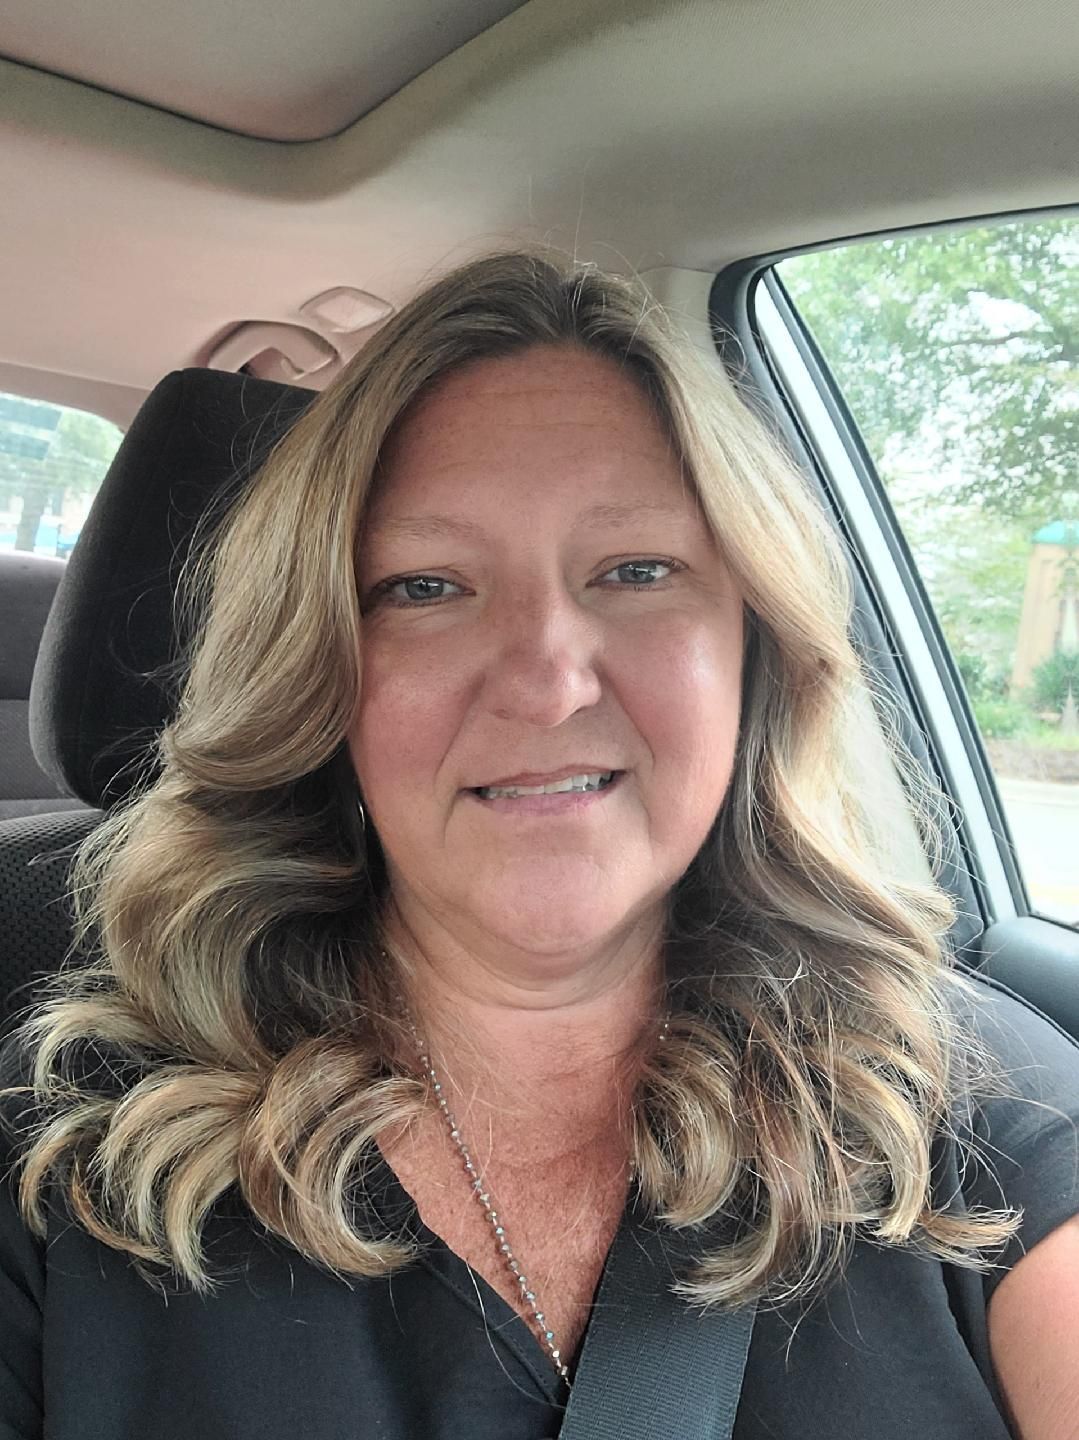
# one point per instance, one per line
(1013, 1028)
(1038, 1061)
(22, 1254)
(1029, 1141)
(22, 1289)
(19, 1249)
(1019, 1140)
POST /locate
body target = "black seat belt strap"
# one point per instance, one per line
(654, 1367)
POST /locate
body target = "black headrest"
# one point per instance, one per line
(106, 679)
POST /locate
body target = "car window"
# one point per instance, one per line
(52, 462)
(957, 353)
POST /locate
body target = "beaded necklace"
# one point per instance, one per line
(482, 1194)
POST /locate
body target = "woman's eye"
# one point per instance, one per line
(414, 589)
(421, 590)
(641, 574)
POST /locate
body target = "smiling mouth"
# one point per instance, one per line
(570, 785)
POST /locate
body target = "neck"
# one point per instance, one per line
(534, 1055)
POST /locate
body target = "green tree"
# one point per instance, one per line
(958, 354)
(974, 566)
(962, 346)
(1054, 680)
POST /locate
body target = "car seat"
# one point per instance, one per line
(27, 586)
(109, 663)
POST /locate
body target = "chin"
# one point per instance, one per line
(551, 941)
(541, 918)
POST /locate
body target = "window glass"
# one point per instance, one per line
(957, 353)
(52, 461)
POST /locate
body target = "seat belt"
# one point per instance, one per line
(653, 1367)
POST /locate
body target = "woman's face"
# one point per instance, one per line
(541, 598)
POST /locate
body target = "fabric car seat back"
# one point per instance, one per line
(110, 664)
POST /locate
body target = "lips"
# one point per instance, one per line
(539, 801)
(584, 767)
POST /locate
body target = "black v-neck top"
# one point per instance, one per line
(287, 1351)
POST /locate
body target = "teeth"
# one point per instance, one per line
(557, 787)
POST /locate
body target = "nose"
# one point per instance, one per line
(545, 661)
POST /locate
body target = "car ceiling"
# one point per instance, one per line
(258, 69)
(638, 135)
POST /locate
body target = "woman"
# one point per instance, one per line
(503, 879)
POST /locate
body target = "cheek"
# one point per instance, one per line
(687, 704)
(404, 724)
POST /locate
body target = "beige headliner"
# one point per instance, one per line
(271, 70)
(640, 135)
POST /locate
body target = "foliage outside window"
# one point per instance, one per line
(958, 355)
(52, 462)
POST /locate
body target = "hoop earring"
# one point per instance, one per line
(363, 816)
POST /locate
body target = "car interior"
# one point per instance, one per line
(208, 211)
(28, 584)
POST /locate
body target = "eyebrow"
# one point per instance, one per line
(611, 516)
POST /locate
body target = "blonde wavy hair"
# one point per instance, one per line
(230, 1020)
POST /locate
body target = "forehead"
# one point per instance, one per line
(553, 418)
